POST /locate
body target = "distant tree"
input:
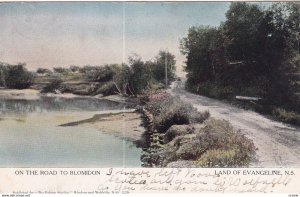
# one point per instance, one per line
(158, 66)
(100, 73)
(141, 75)
(61, 70)
(74, 68)
(87, 68)
(18, 77)
(43, 71)
(3, 73)
(121, 79)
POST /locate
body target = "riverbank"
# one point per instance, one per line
(125, 124)
(172, 132)
(178, 135)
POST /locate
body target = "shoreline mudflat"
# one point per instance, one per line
(126, 125)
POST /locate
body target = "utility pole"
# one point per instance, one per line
(166, 68)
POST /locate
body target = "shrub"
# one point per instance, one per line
(61, 70)
(170, 111)
(100, 74)
(220, 135)
(53, 85)
(215, 144)
(18, 77)
(218, 158)
(286, 116)
(43, 71)
(74, 68)
(108, 88)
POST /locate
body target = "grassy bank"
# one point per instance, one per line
(180, 136)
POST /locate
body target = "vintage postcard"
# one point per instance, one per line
(146, 97)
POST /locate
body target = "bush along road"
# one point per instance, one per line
(178, 135)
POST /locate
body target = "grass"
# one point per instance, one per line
(226, 147)
(216, 144)
(194, 136)
(168, 111)
(286, 116)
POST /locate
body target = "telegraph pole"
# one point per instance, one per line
(166, 68)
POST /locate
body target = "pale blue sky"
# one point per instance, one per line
(79, 33)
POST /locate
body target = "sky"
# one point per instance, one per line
(49, 34)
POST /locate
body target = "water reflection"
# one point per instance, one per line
(46, 104)
(31, 138)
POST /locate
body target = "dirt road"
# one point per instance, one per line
(278, 144)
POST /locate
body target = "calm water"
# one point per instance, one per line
(30, 137)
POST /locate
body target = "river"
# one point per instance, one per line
(30, 135)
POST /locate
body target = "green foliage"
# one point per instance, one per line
(251, 52)
(150, 74)
(214, 143)
(3, 74)
(43, 71)
(219, 158)
(18, 77)
(61, 70)
(286, 116)
(99, 73)
(172, 111)
(74, 68)
(53, 85)
(140, 74)
(158, 66)
(107, 88)
(224, 146)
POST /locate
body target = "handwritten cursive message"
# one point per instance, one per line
(130, 180)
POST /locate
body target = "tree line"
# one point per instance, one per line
(254, 52)
(133, 78)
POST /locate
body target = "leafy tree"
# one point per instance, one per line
(43, 71)
(203, 48)
(74, 68)
(158, 66)
(3, 73)
(100, 73)
(18, 77)
(141, 75)
(61, 70)
(251, 52)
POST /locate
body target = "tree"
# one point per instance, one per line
(74, 68)
(141, 74)
(158, 66)
(203, 48)
(251, 52)
(43, 71)
(61, 70)
(3, 73)
(18, 77)
(100, 73)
